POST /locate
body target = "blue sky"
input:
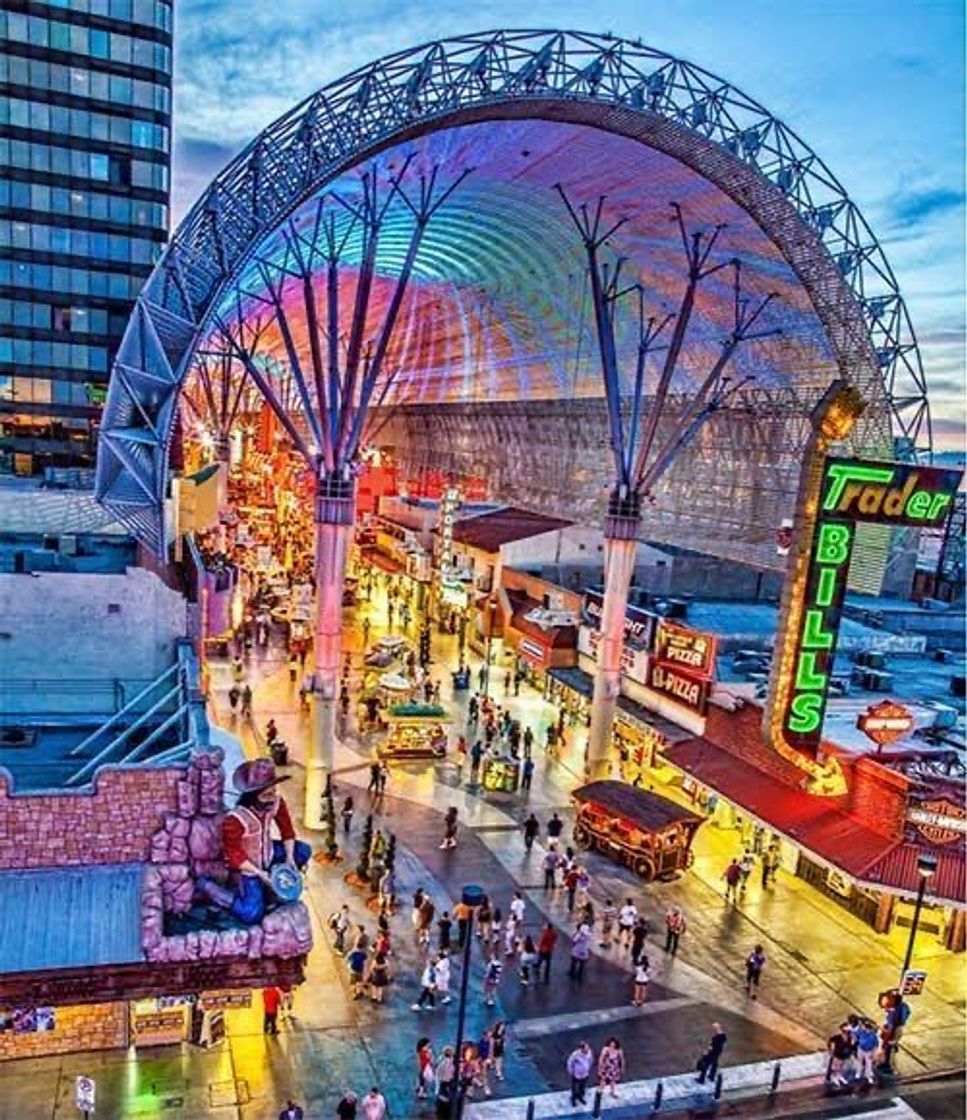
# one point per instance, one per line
(875, 87)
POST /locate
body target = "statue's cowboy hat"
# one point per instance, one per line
(258, 774)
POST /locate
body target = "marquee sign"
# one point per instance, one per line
(685, 648)
(886, 722)
(639, 624)
(849, 492)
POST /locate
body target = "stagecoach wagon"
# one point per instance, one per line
(643, 830)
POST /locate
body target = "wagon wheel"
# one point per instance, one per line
(582, 837)
(644, 867)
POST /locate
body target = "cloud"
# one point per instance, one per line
(914, 207)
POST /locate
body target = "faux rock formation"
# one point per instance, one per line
(189, 846)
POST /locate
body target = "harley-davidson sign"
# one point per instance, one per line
(941, 821)
(886, 722)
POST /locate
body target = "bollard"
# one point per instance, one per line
(596, 1111)
(776, 1074)
(530, 1109)
(718, 1088)
(659, 1093)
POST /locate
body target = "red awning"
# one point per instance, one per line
(897, 871)
(814, 823)
(383, 561)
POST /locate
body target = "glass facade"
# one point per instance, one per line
(85, 135)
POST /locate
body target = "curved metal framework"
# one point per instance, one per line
(612, 84)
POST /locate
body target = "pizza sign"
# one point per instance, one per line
(886, 722)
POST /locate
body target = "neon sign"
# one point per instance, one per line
(851, 492)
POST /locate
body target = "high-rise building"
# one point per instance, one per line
(85, 140)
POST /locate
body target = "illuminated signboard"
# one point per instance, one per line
(686, 649)
(886, 722)
(850, 492)
(680, 686)
(639, 624)
(939, 820)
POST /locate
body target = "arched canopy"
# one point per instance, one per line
(496, 313)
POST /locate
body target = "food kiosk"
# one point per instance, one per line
(644, 831)
(500, 774)
(415, 731)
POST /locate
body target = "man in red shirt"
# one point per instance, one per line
(545, 950)
(271, 998)
(251, 850)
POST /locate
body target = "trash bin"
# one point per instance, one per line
(280, 753)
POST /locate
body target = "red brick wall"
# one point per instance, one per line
(740, 733)
(114, 824)
(93, 1026)
(878, 798)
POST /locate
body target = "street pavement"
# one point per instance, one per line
(822, 963)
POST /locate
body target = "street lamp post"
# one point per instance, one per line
(926, 866)
(472, 897)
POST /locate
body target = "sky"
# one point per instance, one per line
(874, 87)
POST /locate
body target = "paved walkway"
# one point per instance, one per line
(822, 962)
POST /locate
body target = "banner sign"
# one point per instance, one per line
(684, 648)
(851, 492)
(639, 623)
(682, 687)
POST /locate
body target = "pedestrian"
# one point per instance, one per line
(555, 826)
(609, 915)
(770, 864)
(545, 951)
(418, 895)
(842, 1048)
(444, 925)
(511, 936)
(446, 1070)
(527, 960)
(674, 928)
(642, 978)
(339, 924)
(271, 733)
(708, 1063)
(424, 1067)
(580, 1062)
(374, 1105)
(356, 959)
(570, 887)
(732, 876)
(427, 913)
(611, 1066)
(485, 920)
(638, 935)
(583, 886)
(383, 778)
(754, 964)
(476, 757)
(271, 998)
(373, 786)
(492, 974)
(532, 830)
(346, 1109)
(498, 1043)
(427, 986)
(292, 1111)
(580, 952)
(867, 1042)
(527, 774)
(233, 695)
(497, 926)
(549, 864)
(443, 977)
(517, 906)
(746, 864)
(450, 828)
(247, 702)
(485, 1058)
(627, 916)
(378, 977)
(348, 808)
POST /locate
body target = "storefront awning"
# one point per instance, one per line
(669, 731)
(575, 679)
(811, 822)
(381, 560)
(897, 871)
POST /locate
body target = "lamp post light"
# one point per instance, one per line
(472, 897)
(491, 612)
(926, 867)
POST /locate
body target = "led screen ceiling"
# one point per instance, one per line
(498, 307)
(494, 352)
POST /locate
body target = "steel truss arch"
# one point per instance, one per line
(612, 84)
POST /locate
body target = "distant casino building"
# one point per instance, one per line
(85, 141)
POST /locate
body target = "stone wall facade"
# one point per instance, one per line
(112, 824)
(91, 1026)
